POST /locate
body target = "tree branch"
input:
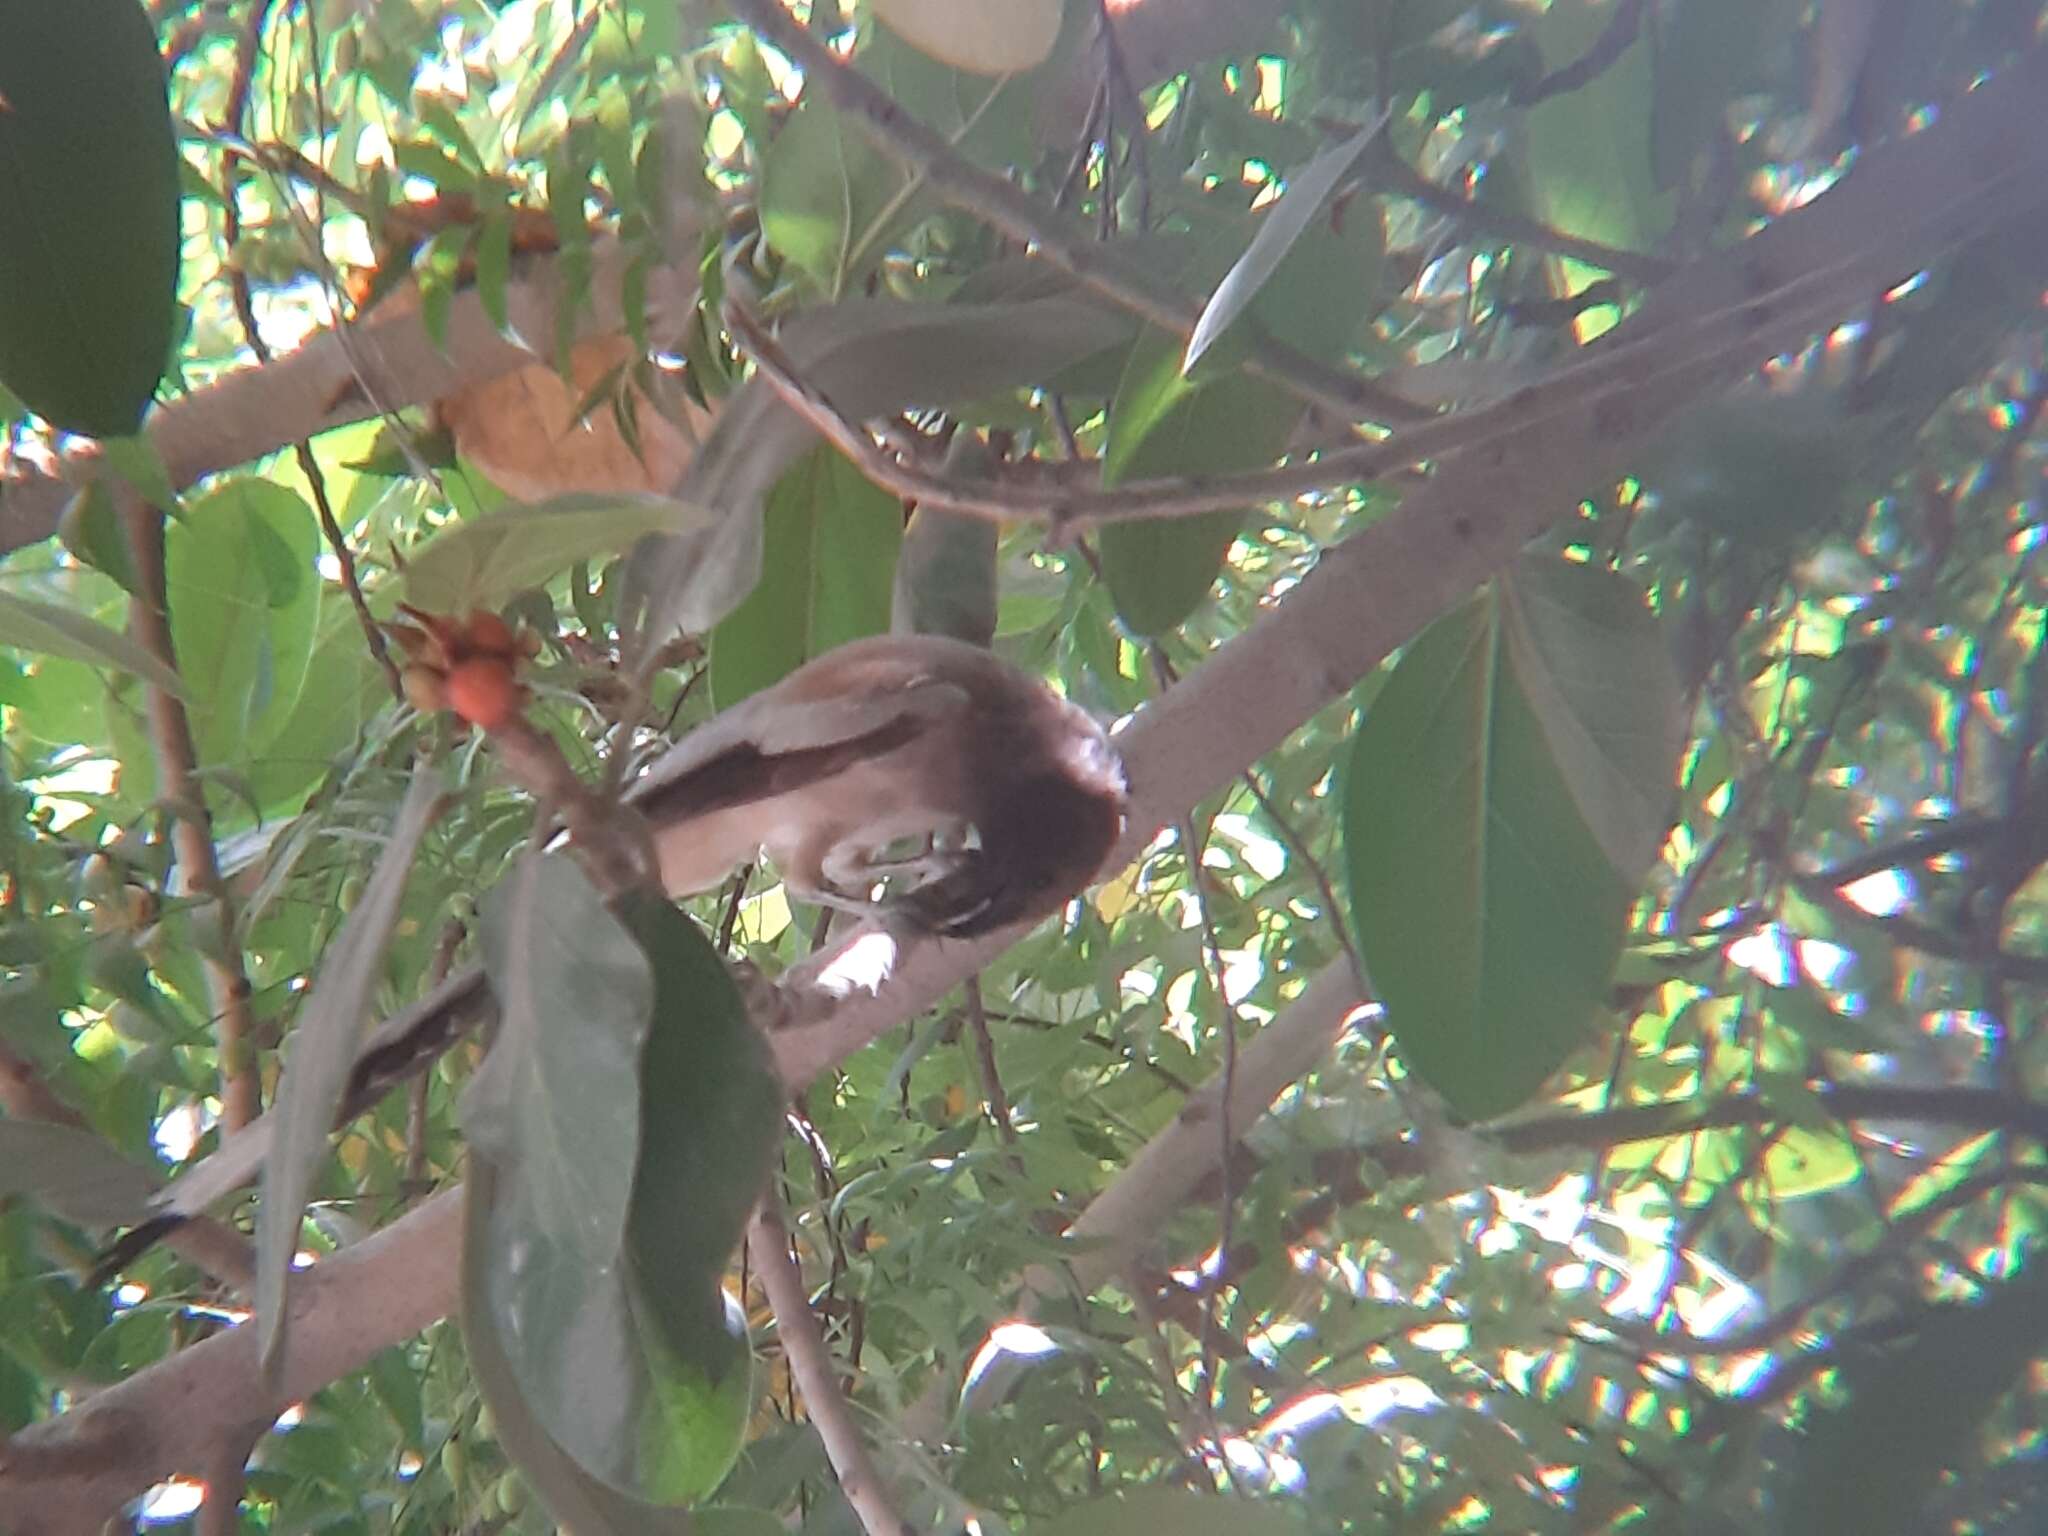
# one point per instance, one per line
(178, 787)
(173, 1414)
(816, 1374)
(257, 410)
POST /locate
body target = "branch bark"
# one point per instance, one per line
(173, 1416)
(816, 1374)
(253, 412)
(178, 787)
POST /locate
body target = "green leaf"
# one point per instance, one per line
(91, 529)
(136, 460)
(1489, 914)
(74, 1172)
(869, 358)
(1871, 1465)
(483, 562)
(34, 626)
(822, 189)
(1765, 472)
(89, 244)
(1587, 150)
(1593, 664)
(322, 1054)
(556, 1095)
(830, 553)
(1706, 56)
(300, 741)
(437, 267)
(987, 121)
(1284, 223)
(576, 1499)
(732, 1520)
(1318, 299)
(494, 268)
(245, 608)
(946, 576)
(1163, 423)
(1180, 1510)
(635, 1367)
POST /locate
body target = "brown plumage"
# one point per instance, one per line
(1009, 797)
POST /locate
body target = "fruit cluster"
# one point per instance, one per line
(468, 666)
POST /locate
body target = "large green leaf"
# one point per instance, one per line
(89, 242)
(1705, 56)
(1594, 666)
(946, 577)
(1490, 912)
(1313, 291)
(344, 689)
(244, 608)
(323, 1052)
(1284, 224)
(627, 1358)
(1587, 151)
(823, 189)
(576, 1499)
(484, 560)
(1163, 423)
(986, 120)
(830, 555)
(868, 358)
(557, 1102)
(1765, 472)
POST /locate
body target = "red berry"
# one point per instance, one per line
(484, 692)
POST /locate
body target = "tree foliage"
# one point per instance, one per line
(1554, 493)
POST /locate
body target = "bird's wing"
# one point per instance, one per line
(772, 745)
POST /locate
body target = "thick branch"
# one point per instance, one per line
(172, 1416)
(247, 414)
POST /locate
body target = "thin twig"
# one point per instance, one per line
(178, 787)
(1610, 374)
(245, 312)
(345, 560)
(450, 940)
(1621, 30)
(736, 892)
(994, 200)
(813, 1371)
(992, 1095)
(1226, 1138)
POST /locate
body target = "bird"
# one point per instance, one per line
(916, 779)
